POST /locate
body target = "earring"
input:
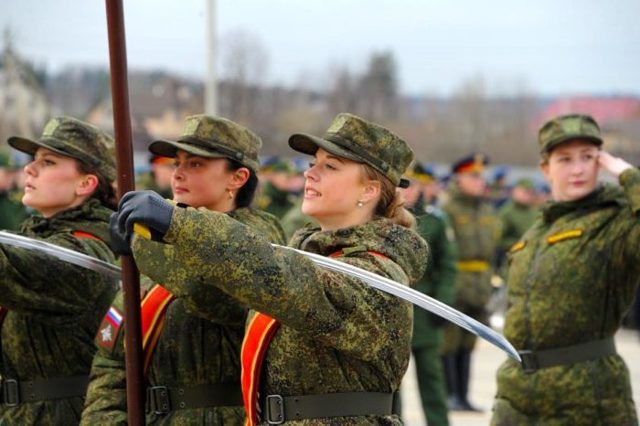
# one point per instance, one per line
(359, 203)
(230, 194)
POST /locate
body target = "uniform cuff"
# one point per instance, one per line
(630, 181)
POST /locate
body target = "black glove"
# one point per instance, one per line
(145, 208)
(119, 242)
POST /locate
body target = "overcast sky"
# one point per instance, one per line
(552, 47)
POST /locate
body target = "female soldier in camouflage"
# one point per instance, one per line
(571, 279)
(194, 372)
(51, 309)
(326, 349)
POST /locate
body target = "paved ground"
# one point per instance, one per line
(485, 363)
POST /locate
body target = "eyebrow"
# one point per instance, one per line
(333, 157)
(47, 154)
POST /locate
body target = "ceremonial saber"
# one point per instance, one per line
(381, 283)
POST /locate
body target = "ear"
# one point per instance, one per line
(87, 185)
(371, 191)
(239, 178)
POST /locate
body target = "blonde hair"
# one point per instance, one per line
(391, 203)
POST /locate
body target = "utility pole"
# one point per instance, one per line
(211, 88)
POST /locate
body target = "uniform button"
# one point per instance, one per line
(343, 232)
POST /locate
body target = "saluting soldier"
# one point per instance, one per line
(192, 362)
(437, 282)
(325, 347)
(51, 309)
(476, 230)
(571, 278)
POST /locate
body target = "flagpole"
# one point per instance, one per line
(124, 157)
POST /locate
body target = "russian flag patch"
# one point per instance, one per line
(109, 328)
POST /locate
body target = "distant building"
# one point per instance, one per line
(159, 104)
(23, 104)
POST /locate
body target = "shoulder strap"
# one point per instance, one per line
(83, 234)
(256, 341)
(153, 312)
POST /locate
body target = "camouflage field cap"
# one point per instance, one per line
(356, 139)
(76, 139)
(525, 183)
(566, 128)
(213, 137)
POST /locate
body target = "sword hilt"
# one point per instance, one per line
(142, 231)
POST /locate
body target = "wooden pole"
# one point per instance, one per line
(124, 156)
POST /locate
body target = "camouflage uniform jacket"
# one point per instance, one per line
(193, 349)
(336, 334)
(571, 279)
(477, 230)
(439, 278)
(54, 309)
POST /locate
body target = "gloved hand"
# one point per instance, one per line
(119, 242)
(145, 208)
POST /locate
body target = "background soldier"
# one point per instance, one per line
(12, 211)
(275, 194)
(437, 282)
(158, 179)
(476, 228)
(517, 215)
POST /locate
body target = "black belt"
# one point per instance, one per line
(16, 392)
(278, 409)
(533, 361)
(163, 399)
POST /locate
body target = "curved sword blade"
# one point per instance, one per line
(62, 253)
(381, 283)
(422, 300)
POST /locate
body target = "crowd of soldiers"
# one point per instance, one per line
(238, 330)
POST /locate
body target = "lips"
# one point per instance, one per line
(311, 193)
(179, 190)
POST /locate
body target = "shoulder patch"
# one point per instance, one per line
(564, 235)
(109, 328)
(517, 246)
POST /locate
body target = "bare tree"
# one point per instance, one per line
(244, 67)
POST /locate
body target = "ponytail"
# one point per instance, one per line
(391, 203)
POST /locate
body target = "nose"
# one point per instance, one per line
(178, 172)
(30, 168)
(310, 173)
